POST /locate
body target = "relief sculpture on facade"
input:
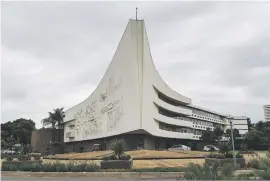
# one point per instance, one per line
(89, 120)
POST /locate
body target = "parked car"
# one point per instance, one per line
(210, 148)
(179, 148)
(96, 147)
(7, 151)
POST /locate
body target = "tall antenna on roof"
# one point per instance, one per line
(136, 12)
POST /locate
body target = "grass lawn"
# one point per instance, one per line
(135, 154)
(137, 164)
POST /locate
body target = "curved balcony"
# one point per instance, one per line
(172, 121)
(174, 109)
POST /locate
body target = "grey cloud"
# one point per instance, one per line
(57, 52)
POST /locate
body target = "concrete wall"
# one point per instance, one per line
(42, 137)
(114, 107)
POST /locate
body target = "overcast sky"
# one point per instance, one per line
(55, 53)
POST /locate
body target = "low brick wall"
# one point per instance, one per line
(116, 164)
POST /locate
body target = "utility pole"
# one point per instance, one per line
(234, 157)
(136, 12)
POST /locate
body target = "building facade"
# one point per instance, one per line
(266, 109)
(134, 103)
(241, 124)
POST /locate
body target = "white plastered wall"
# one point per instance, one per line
(114, 107)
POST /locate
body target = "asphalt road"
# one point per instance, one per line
(71, 179)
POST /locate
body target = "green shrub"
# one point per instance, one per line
(261, 167)
(229, 155)
(239, 155)
(255, 163)
(118, 148)
(207, 172)
(9, 158)
(24, 157)
(224, 148)
(36, 157)
(223, 156)
(244, 176)
(50, 167)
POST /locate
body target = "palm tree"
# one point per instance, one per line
(58, 116)
(48, 121)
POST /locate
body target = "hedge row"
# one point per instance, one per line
(81, 167)
(50, 167)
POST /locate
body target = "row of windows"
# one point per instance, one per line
(168, 127)
(206, 114)
(179, 129)
(195, 121)
(210, 119)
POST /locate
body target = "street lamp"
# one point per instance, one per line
(234, 157)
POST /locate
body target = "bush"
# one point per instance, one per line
(207, 172)
(261, 167)
(24, 157)
(239, 155)
(36, 157)
(27, 149)
(223, 156)
(50, 167)
(229, 155)
(118, 148)
(9, 158)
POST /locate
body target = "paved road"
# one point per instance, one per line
(71, 179)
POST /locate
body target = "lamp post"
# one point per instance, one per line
(234, 157)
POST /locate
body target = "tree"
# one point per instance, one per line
(254, 139)
(258, 136)
(250, 125)
(18, 131)
(208, 136)
(48, 121)
(55, 118)
(236, 134)
(218, 133)
(212, 136)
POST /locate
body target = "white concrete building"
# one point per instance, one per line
(240, 123)
(266, 109)
(133, 102)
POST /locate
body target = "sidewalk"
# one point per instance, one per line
(137, 175)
